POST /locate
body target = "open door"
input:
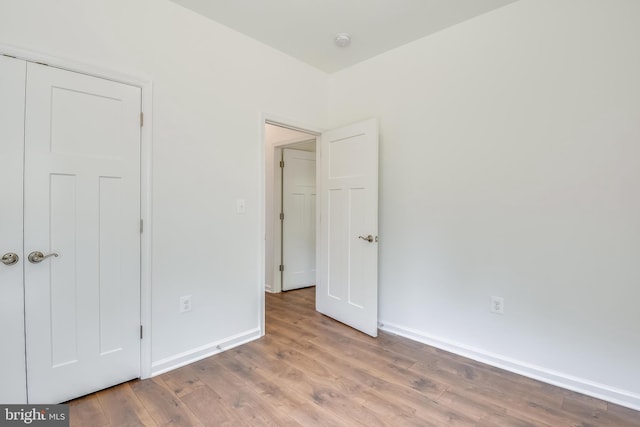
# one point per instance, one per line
(347, 288)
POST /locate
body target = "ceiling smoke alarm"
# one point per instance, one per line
(343, 39)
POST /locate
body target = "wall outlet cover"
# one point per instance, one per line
(497, 305)
(185, 303)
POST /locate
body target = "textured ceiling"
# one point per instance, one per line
(305, 29)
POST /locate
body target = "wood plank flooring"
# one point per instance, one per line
(310, 370)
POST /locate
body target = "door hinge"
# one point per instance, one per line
(141, 225)
(281, 163)
(281, 267)
(141, 119)
(281, 216)
(140, 331)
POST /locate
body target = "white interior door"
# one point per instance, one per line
(12, 363)
(347, 288)
(299, 224)
(81, 202)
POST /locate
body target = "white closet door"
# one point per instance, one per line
(82, 202)
(299, 226)
(12, 368)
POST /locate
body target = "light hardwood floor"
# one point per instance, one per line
(310, 370)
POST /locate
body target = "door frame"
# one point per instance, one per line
(267, 155)
(146, 146)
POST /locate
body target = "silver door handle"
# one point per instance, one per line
(9, 258)
(37, 256)
(369, 238)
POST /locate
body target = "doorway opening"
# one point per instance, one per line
(346, 222)
(290, 217)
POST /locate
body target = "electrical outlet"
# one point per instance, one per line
(497, 305)
(185, 303)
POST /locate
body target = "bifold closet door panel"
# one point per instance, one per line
(12, 356)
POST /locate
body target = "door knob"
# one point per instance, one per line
(37, 256)
(9, 258)
(369, 238)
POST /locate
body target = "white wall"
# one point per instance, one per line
(510, 166)
(210, 86)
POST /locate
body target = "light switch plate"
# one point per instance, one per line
(241, 206)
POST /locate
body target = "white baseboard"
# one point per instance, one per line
(170, 363)
(580, 385)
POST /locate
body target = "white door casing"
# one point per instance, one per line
(81, 201)
(347, 288)
(299, 225)
(12, 361)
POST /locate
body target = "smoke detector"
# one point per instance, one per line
(343, 39)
